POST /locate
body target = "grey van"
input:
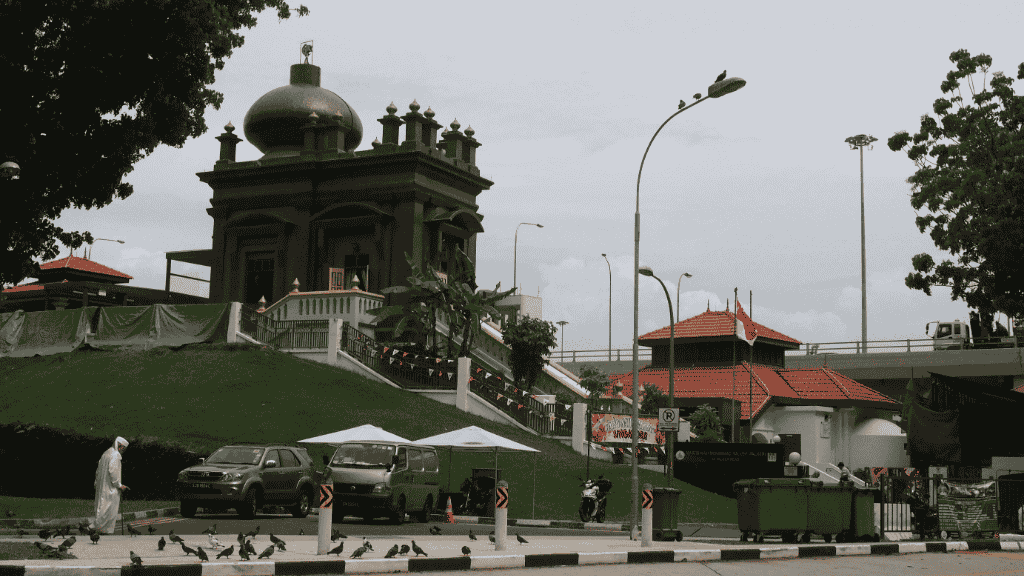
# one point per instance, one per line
(374, 479)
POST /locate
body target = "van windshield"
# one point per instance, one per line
(363, 455)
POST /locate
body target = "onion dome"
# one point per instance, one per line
(274, 124)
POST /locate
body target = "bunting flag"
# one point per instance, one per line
(471, 379)
(430, 371)
(508, 402)
(404, 354)
(412, 366)
(386, 349)
(562, 421)
(450, 374)
(519, 406)
(500, 396)
(438, 360)
(394, 351)
(488, 374)
(391, 360)
(567, 406)
(478, 370)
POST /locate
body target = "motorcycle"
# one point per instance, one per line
(592, 502)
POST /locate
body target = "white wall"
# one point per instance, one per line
(874, 451)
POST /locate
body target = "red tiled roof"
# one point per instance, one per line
(712, 324)
(76, 263)
(25, 288)
(1020, 389)
(804, 384)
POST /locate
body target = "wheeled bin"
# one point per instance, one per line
(665, 521)
(772, 506)
(828, 510)
(862, 522)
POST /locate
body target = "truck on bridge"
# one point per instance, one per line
(956, 335)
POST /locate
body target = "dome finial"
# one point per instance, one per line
(455, 125)
(470, 131)
(375, 143)
(229, 127)
(392, 108)
(414, 106)
(429, 113)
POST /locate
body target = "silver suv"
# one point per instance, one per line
(247, 477)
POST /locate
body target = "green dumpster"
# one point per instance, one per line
(862, 525)
(772, 506)
(665, 522)
(828, 510)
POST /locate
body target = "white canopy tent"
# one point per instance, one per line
(475, 439)
(366, 432)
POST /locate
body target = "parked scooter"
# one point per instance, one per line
(594, 499)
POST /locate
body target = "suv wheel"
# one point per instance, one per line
(301, 508)
(247, 509)
(399, 515)
(428, 507)
(188, 509)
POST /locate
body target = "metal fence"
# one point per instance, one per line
(938, 507)
(544, 418)
(417, 372)
(283, 334)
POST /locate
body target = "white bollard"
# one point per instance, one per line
(500, 515)
(323, 536)
(647, 516)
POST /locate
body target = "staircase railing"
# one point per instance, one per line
(283, 334)
(541, 417)
(408, 370)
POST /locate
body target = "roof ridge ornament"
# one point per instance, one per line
(306, 48)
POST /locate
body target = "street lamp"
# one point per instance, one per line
(669, 445)
(562, 323)
(515, 249)
(609, 306)
(716, 90)
(89, 255)
(678, 284)
(855, 142)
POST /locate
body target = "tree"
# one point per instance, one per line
(706, 424)
(530, 340)
(595, 382)
(652, 398)
(92, 88)
(970, 177)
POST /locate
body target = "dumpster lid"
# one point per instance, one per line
(666, 489)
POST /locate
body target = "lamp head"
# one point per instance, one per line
(10, 170)
(727, 86)
(646, 271)
(539, 225)
(687, 274)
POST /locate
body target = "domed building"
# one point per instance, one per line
(316, 210)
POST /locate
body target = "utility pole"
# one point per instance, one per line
(855, 142)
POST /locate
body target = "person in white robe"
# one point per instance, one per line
(109, 487)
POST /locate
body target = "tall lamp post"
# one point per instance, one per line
(669, 445)
(855, 142)
(680, 283)
(89, 256)
(562, 323)
(515, 250)
(717, 90)
(609, 306)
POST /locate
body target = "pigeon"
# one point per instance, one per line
(135, 558)
(267, 553)
(151, 530)
(68, 543)
(132, 531)
(404, 550)
(391, 553)
(337, 549)
(471, 535)
(241, 540)
(335, 534)
(275, 539)
(186, 549)
(435, 530)
(45, 534)
(253, 533)
(250, 548)
(84, 529)
(358, 552)
(202, 554)
(161, 543)
(44, 547)
(280, 546)
(466, 550)
(214, 543)
(367, 545)
(301, 531)
(95, 537)
(243, 553)
(175, 538)
(491, 538)
(417, 549)
(720, 77)
(226, 553)
(521, 540)
(211, 530)
(682, 104)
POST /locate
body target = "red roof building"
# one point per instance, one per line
(73, 268)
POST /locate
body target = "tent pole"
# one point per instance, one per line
(494, 493)
(534, 513)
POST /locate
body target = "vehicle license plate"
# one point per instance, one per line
(201, 485)
(350, 504)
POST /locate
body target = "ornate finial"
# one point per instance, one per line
(306, 50)
(455, 125)
(263, 305)
(470, 131)
(296, 285)
(709, 305)
(429, 113)
(414, 106)
(229, 127)
(313, 116)
(392, 108)
(726, 304)
(375, 143)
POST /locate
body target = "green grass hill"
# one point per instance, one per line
(205, 396)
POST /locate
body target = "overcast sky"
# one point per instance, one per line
(756, 190)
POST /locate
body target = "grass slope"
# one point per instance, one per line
(205, 396)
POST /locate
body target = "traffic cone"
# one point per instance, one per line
(449, 513)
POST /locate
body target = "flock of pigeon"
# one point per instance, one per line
(246, 548)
